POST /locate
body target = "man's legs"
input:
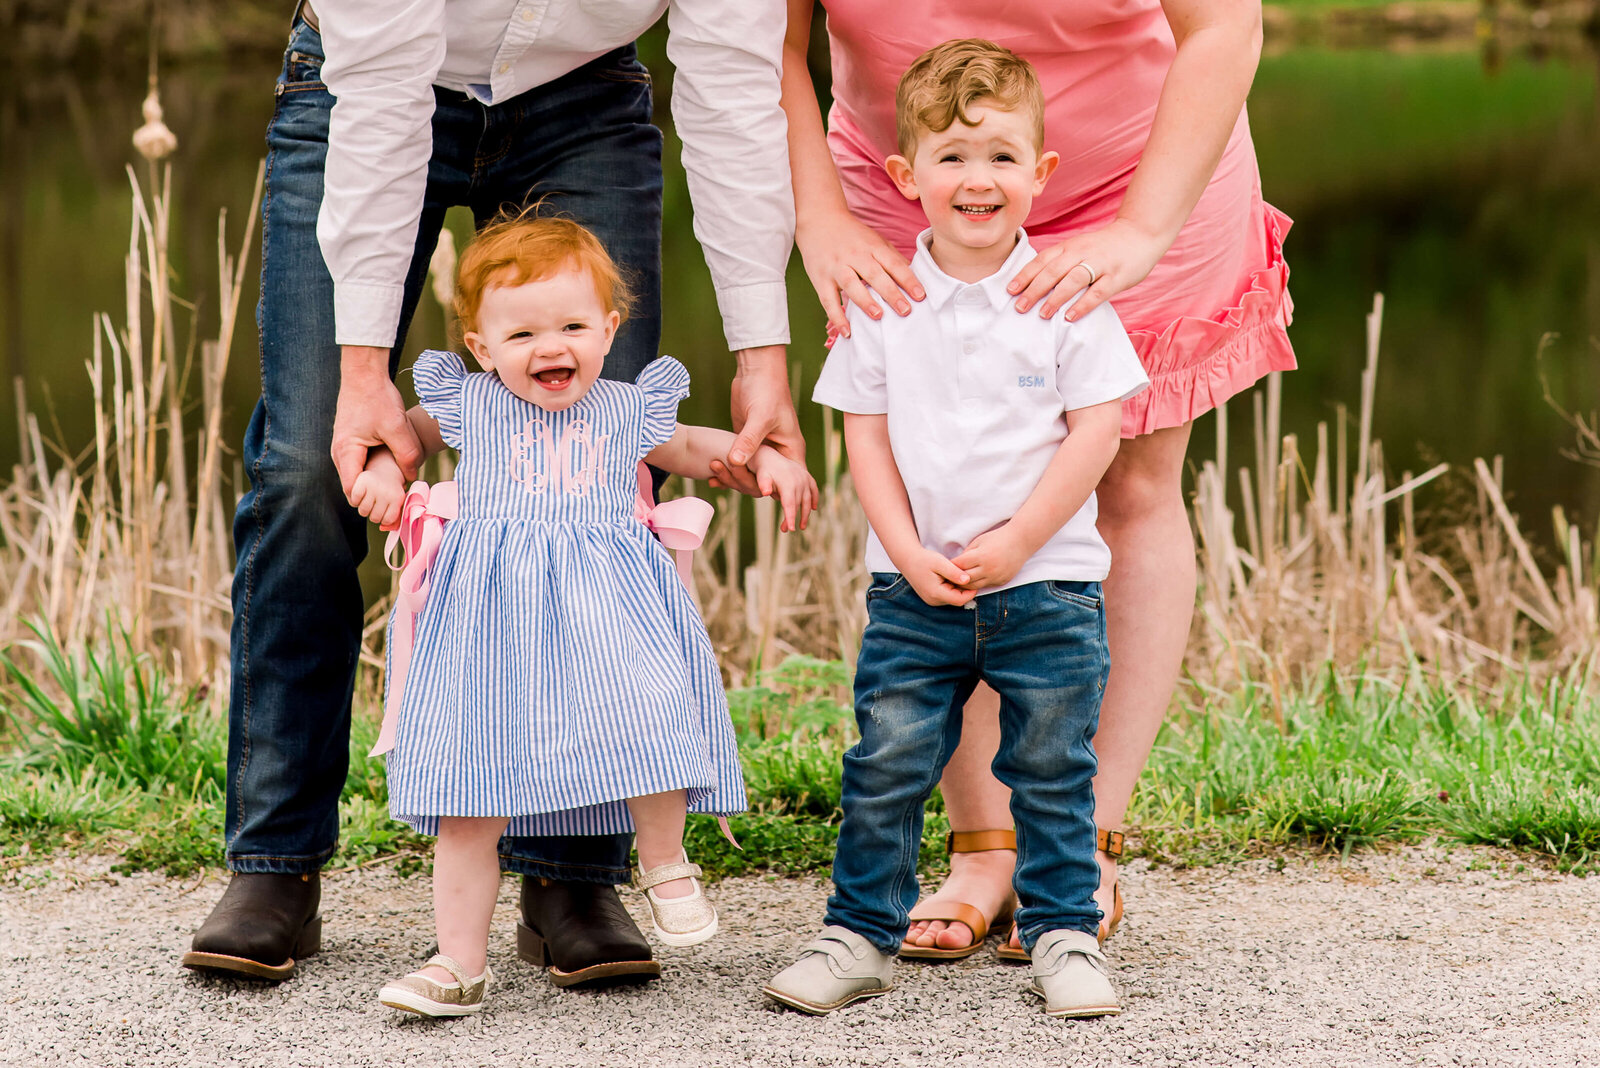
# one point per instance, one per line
(297, 600)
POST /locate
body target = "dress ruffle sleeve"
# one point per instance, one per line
(439, 378)
(665, 383)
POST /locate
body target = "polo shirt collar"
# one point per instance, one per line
(941, 287)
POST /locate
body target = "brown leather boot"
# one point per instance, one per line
(581, 932)
(264, 922)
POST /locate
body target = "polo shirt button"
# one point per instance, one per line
(969, 347)
(527, 15)
(504, 67)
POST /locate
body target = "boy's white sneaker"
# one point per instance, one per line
(838, 967)
(1070, 973)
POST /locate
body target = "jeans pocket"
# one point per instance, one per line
(1084, 595)
(885, 584)
(302, 72)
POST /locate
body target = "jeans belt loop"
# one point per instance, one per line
(304, 10)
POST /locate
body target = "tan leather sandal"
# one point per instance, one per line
(1109, 843)
(960, 911)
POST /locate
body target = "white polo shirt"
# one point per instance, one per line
(976, 396)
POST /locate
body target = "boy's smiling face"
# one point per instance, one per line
(547, 338)
(976, 184)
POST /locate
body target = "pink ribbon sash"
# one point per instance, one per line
(423, 515)
(681, 525)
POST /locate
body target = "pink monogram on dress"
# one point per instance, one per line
(575, 464)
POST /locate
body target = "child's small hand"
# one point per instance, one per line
(778, 476)
(380, 489)
(937, 580)
(993, 558)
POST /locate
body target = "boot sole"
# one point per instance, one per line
(309, 944)
(815, 1009)
(531, 947)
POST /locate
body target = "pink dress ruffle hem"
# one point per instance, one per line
(1196, 364)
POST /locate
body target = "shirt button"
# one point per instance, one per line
(970, 347)
(504, 67)
(527, 15)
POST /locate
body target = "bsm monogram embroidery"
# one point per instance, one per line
(573, 464)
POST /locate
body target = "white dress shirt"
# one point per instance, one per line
(977, 396)
(383, 58)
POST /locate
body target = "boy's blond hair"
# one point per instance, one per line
(947, 79)
(514, 249)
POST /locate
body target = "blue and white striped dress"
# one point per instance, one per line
(559, 665)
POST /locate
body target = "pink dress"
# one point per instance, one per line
(1211, 317)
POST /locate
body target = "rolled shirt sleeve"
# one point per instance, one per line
(729, 60)
(382, 57)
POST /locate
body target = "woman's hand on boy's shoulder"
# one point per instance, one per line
(848, 262)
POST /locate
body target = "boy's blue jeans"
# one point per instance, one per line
(1042, 646)
(585, 142)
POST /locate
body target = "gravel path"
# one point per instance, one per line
(1417, 958)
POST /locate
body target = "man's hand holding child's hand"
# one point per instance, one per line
(380, 489)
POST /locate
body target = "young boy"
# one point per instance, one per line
(976, 437)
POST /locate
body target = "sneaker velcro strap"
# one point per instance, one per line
(1109, 842)
(839, 944)
(1058, 951)
(665, 874)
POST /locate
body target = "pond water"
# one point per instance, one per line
(1464, 185)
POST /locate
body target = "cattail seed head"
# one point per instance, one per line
(154, 140)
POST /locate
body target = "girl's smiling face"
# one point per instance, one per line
(546, 338)
(976, 183)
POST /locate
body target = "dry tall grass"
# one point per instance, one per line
(134, 535)
(1321, 564)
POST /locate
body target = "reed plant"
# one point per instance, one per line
(134, 533)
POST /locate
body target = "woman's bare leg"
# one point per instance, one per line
(1149, 606)
(466, 884)
(658, 834)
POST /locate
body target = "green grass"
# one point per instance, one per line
(102, 752)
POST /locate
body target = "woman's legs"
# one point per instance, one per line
(466, 883)
(1149, 606)
(658, 829)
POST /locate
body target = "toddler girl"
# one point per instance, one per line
(562, 681)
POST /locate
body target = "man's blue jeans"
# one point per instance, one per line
(585, 144)
(1042, 646)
